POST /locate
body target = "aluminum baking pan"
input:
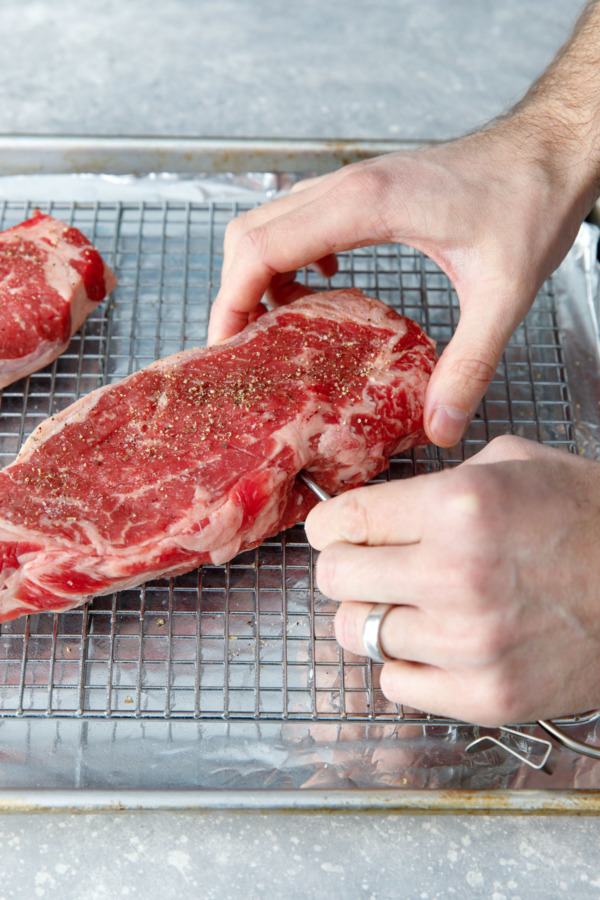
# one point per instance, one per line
(229, 679)
(29, 154)
(521, 802)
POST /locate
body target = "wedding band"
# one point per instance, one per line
(370, 635)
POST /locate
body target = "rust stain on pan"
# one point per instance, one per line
(20, 154)
(510, 802)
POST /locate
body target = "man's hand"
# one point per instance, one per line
(496, 210)
(494, 570)
(487, 209)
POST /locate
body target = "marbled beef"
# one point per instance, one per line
(51, 278)
(195, 457)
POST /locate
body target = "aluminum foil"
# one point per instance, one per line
(275, 756)
(256, 187)
(577, 292)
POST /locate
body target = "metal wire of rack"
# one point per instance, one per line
(252, 639)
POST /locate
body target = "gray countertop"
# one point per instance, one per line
(390, 69)
(225, 856)
(341, 69)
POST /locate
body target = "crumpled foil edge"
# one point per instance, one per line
(577, 294)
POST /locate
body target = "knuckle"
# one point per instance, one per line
(477, 585)
(476, 576)
(492, 698)
(488, 642)
(386, 192)
(501, 700)
(368, 178)
(234, 231)
(509, 446)
(466, 501)
(474, 494)
(353, 519)
(305, 183)
(505, 443)
(472, 369)
(254, 243)
(478, 571)
(372, 183)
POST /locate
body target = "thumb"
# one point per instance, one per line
(465, 371)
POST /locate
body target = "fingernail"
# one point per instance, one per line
(447, 425)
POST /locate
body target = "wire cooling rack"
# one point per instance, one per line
(252, 639)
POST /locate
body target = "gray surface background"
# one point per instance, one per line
(271, 68)
(227, 856)
(389, 69)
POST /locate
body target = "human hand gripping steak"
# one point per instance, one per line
(51, 278)
(194, 458)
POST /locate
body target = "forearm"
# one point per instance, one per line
(560, 113)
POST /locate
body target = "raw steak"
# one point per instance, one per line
(195, 458)
(51, 278)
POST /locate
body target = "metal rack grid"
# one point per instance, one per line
(252, 639)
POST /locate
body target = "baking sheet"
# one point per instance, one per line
(229, 678)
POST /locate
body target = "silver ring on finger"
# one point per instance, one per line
(371, 633)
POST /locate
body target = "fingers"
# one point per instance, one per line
(334, 215)
(424, 670)
(283, 244)
(327, 266)
(230, 314)
(307, 182)
(466, 368)
(260, 215)
(422, 687)
(406, 632)
(283, 287)
(403, 512)
(392, 513)
(415, 676)
(402, 575)
(301, 193)
(488, 698)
